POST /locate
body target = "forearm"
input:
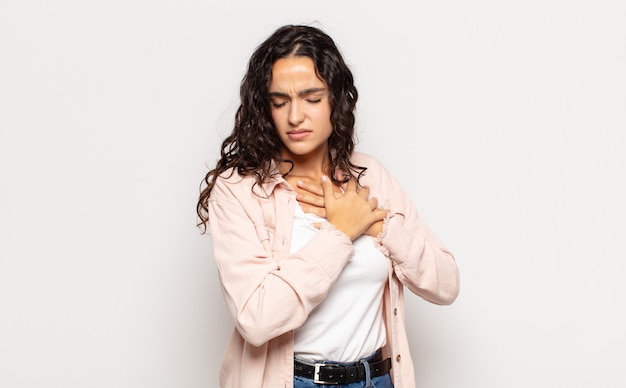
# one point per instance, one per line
(267, 295)
(421, 261)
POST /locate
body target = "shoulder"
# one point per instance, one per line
(231, 178)
(361, 157)
(232, 185)
(365, 160)
(381, 182)
(375, 168)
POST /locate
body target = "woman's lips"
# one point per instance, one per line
(298, 135)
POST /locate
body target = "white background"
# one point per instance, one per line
(505, 120)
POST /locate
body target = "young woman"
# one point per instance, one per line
(314, 242)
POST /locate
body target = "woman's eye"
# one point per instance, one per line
(314, 101)
(277, 104)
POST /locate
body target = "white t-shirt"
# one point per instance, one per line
(348, 325)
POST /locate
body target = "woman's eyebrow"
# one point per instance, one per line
(300, 93)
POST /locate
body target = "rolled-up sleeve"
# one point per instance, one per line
(420, 261)
(267, 295)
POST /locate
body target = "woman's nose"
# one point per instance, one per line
(296, 114)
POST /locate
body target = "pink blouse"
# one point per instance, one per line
(270, 292)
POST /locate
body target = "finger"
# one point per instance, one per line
(373, 202)
(327, 188)
(310, 199)
(311, 187)
(380, 214)
(351, 185)
(364, 192)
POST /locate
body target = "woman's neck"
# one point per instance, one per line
(306, 166)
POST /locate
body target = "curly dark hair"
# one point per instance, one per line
(254, 142)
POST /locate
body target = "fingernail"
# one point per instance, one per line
(324, 178)
(300, 181)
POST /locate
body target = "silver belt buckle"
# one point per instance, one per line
(316, 374)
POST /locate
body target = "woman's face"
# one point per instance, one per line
(300, 108)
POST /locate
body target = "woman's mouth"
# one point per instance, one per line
(298, 134)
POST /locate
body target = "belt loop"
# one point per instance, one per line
(368, 378)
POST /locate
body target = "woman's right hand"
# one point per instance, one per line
(351, 212)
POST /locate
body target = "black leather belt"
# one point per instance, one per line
(329, 373)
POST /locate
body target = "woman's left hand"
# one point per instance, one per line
(311, 200)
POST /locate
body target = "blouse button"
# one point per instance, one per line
(398, 358)
(395, 311)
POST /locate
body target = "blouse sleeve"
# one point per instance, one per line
(266, 295)
(420, 261)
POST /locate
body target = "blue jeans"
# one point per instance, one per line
(383, 381)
